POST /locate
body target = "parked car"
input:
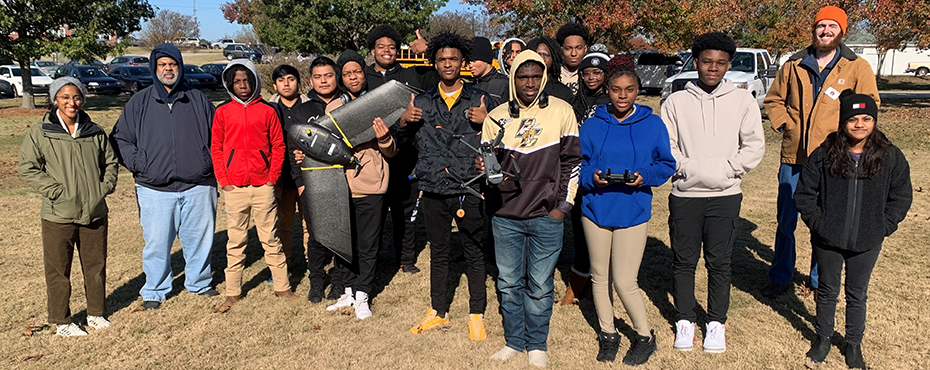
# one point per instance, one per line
(86, 62)
(651, 66)
(13, 75)
(215, 70)
(46, 66)
(127, 60)
(186, 42)
(237, 51)
(223, 43)
(6, 89)
(132, 78)
(919, 69)
(94, 78)
(197, 78)
(750, 69)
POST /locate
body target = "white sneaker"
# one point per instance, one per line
(97, 322)
(505, 354)
(70, 330)
(716, 339)
(362, 311)
(345, 300)
(684, 335)
(538, 358)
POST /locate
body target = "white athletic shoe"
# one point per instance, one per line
(97, 322)
(684, 335)
(505, 354)
(538, 358)
(70, 330)
(362, 311)
(716, 339)
(345, 300)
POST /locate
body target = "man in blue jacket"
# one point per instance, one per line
(163, 138)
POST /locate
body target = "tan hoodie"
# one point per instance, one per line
(716, 138)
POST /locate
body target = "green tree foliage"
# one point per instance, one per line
(327, 26)
(36, 25)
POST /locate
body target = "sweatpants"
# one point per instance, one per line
(616, 253)
(707, 224)
(258, 204)
(58, 244)
(439, 211)
(367, 225)
(858, 272)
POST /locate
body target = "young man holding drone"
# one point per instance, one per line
(541, 135)
(433, 119)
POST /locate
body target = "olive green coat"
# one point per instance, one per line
(73, 175)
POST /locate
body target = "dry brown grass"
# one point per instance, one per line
(264, 332)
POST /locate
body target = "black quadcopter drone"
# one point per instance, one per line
(492, 167)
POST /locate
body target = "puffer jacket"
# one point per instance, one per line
(792, 109)
(854, 214)
(438, 151)
(73, 175)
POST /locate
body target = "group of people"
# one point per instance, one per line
(575, 143)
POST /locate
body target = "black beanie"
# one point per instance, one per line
(481, 50)
(350, 56)
(596, 60)
(852, 104)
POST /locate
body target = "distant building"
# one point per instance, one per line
(863, 44)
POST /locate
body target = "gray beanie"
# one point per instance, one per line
(60, 82)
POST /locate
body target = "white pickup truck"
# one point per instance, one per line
(222, 43)
(751, 69)
(919, 69)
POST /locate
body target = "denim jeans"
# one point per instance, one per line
(782, 270)
(190, 216)
(527, 251)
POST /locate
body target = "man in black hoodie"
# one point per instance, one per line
(163, 138)
(484, 73)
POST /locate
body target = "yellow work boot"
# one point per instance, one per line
(476, 327)
(432, 320)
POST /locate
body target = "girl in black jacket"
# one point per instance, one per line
(853, 191)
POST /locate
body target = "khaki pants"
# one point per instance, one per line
(616, 254)
(288, 204)
(253, 203)
(59, 242)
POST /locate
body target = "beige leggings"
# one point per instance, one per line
(615, 255)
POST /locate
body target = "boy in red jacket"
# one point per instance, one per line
(247, 140)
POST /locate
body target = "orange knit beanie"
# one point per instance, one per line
(834, 14)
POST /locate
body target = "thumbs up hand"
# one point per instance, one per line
(418, 46)
(412, 114)
(478, 114)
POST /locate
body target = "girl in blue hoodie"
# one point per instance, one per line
(623, 136)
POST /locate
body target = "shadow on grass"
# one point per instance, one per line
(904, 83)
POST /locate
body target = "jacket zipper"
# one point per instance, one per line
(853, 226)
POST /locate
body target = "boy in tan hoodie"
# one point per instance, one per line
(716, 137)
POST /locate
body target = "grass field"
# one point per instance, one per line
(264, 332)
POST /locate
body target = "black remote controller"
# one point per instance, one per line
(613, 178)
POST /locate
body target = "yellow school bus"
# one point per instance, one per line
(408, 59)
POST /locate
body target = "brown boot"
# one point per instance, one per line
(287, 294)
(230, 301)
(575, 289)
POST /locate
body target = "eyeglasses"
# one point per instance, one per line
(594, 73)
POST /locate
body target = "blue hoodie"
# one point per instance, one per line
(164, 138)
(640, 144)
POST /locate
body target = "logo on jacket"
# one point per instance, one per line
(529, 132)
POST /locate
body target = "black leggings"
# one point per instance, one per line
(858, 272)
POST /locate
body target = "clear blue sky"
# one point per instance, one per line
(213, 26)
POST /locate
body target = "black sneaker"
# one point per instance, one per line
(820, 347)
(151, 305)
(775, 289)
(335, 292)
(315, 295)
(409, 269)
(608, 345)
(854, 356)
(209, 293)
(641, 350)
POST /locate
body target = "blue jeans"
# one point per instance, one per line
(190, 216)
(527, 251)
(782, 270)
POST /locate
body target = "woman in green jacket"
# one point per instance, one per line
(67, 159)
